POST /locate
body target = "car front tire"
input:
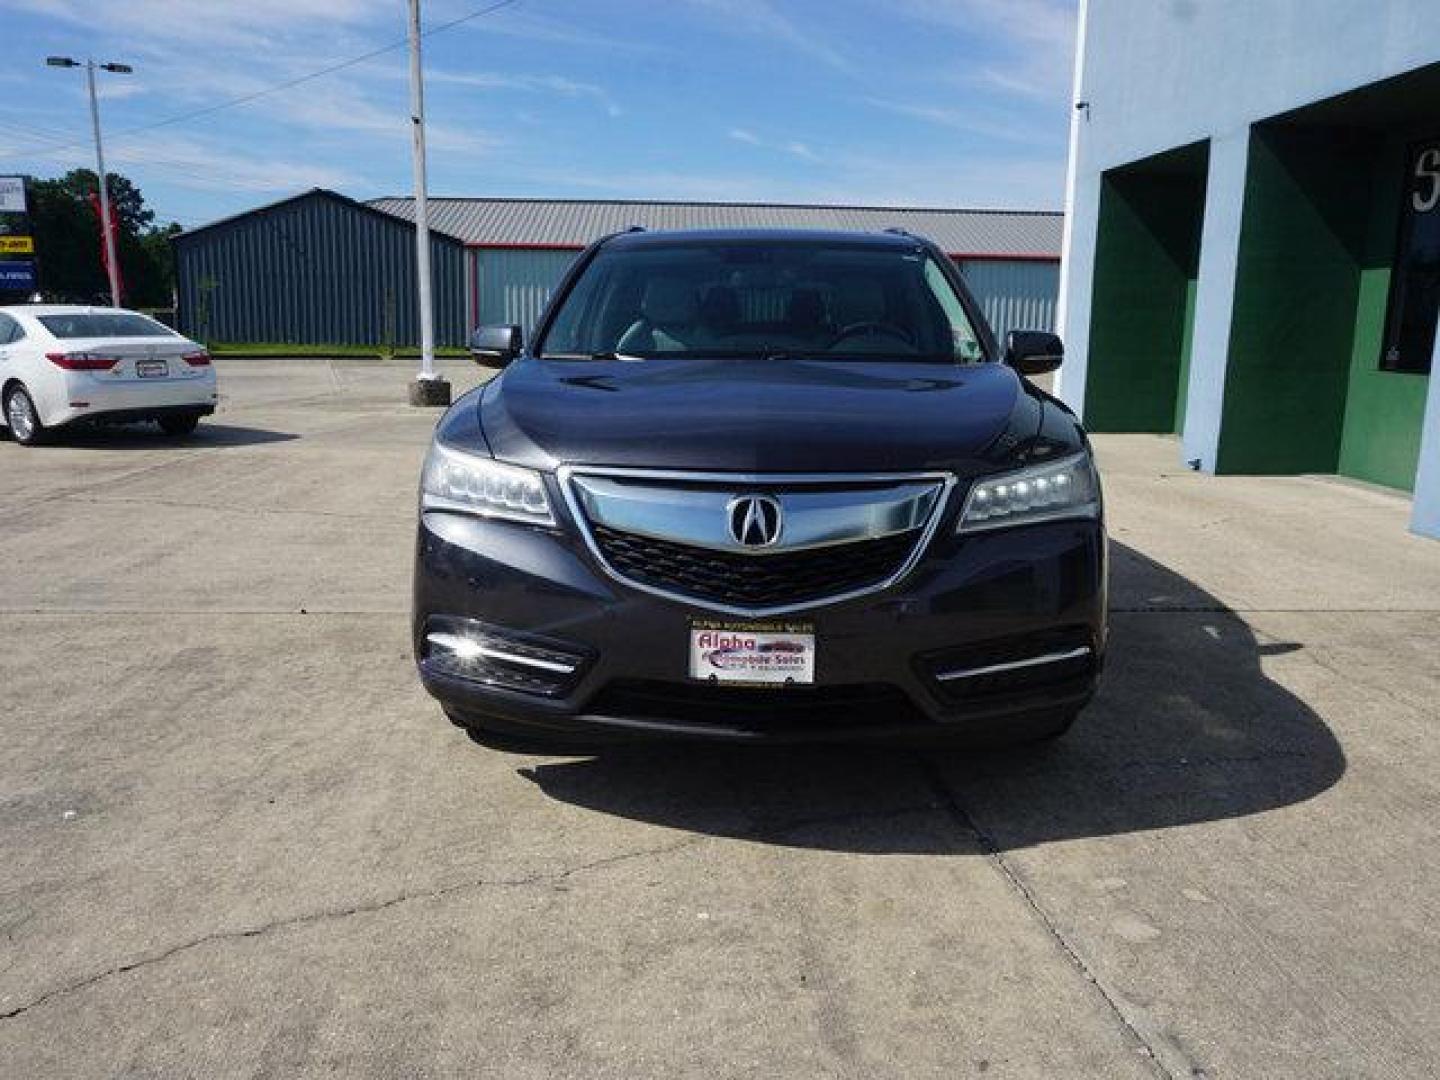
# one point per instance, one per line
(22, 417)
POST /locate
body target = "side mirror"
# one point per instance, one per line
(1033, 352)
(496, 345)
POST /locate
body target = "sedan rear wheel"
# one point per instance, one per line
(21, 417)
(179, 425)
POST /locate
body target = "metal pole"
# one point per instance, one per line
(422, 210)
(112, 267)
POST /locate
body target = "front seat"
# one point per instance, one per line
(668, 311)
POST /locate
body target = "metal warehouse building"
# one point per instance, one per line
(1253, 259)
(314, 269)
(320, 268)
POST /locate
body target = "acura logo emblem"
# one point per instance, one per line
(754, 520)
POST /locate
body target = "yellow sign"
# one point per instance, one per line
(17, 245)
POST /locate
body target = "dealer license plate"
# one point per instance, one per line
(753, 653)
(152, 369)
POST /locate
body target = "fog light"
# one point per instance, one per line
(466, 649)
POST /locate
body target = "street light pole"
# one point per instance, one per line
(112, 265)
(107, 232)
(428, 387)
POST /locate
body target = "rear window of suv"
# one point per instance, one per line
(104, 324)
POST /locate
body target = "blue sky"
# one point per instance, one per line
(894, 102)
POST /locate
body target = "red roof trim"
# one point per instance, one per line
(523, 247)
(983, 256)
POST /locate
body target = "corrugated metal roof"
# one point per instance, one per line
(575, 223)
(311, 194)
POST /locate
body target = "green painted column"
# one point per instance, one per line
(1384, 410)
(1142, 304)
(1308, 194)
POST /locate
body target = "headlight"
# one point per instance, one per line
(453, 480)
(1066, 488)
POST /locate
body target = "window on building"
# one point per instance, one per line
(1415, 283)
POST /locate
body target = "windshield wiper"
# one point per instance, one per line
(590, 356)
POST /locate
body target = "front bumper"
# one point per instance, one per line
(970, 603)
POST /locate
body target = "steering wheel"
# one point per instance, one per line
(870, 327)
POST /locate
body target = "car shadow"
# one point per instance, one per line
(147, 436)
(1186, 728)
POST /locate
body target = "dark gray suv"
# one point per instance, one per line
(759, 485)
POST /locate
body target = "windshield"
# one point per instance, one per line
(104, 324)
(764, 299)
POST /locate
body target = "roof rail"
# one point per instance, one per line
(895, 230)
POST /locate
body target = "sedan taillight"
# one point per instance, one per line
(197, 359)
(82, 361)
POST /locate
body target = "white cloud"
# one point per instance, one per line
(975, 119)
(794, 147)
(529, 25)
(211, 22)
(194, 163)
(558, 85)
(759, 18)
(1035, 40)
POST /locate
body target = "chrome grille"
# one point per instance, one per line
(752, 580)
(841, 536)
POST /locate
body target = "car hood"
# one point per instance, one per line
(748, 415)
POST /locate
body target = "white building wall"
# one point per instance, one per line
(1425, 513)
(1160, 74)
(1215, 296)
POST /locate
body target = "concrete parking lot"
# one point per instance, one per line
(236, 839)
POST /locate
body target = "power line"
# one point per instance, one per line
(329, 69)
(204, 171)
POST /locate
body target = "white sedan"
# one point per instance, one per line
(64, 364)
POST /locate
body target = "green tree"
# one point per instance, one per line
(67, 240)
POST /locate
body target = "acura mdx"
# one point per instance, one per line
(761, 485)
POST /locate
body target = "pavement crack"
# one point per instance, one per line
(1165, 1057)
(550, 878)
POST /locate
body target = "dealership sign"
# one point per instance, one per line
(17, 276)
(12, 195)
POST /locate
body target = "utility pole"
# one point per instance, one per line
(429, 388)
(112, 264)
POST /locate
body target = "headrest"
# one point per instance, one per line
(859, 299)
(669, 302)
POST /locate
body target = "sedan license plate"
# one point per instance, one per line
(752, 653)
(152, 369)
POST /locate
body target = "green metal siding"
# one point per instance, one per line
(514, 285)
(318, 269)
(1014, 294)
